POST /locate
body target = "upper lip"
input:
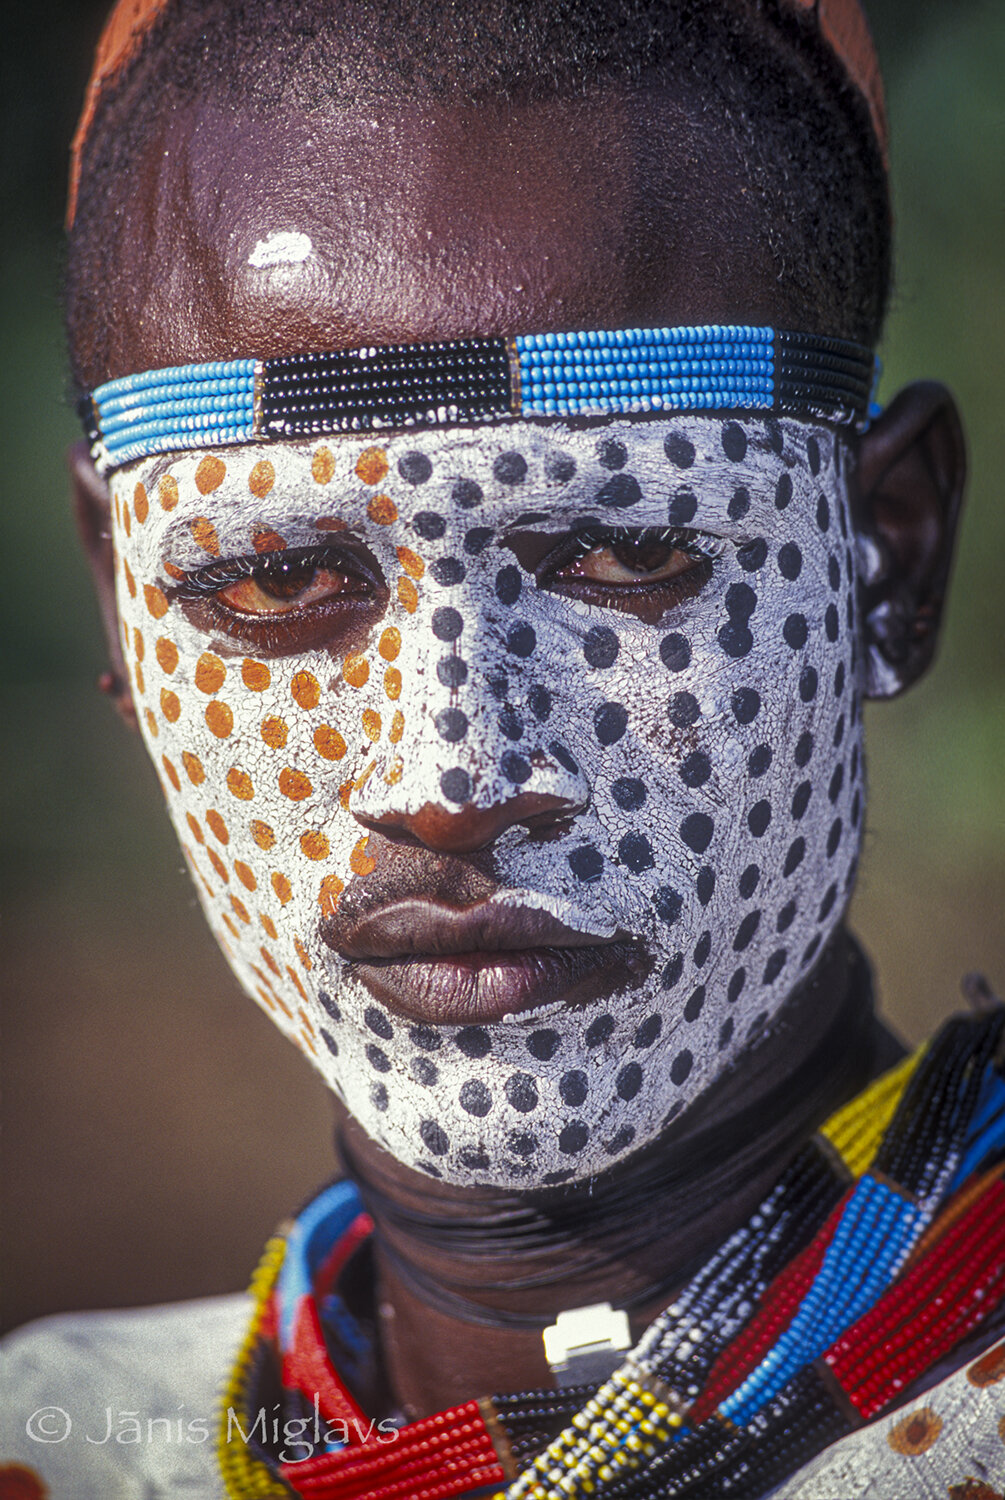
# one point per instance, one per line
(414, 928)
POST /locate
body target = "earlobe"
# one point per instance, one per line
(906, 501)
(93, 513)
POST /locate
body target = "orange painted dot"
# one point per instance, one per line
(262, 478)
(173, 571)
(127, 519)
(141, 503)
(139, 679)
(397, 727)
(360, 862)
(265, 998)
(314, 844)
(264, 539)
(323, 465)
(268, 924)
(302, 954)
(371, 466)
(230, 926)
(364, 776)
(989, 1369)
(330, 523)
(305, 689)
(210, 673)
(396, 772)
(344, 792)
(217, 826)
(170, 706)
(255, 675)
(331, 890)
(304, 1017)
(392, 683)
(356, 670)
(245, 875)
(240, 785)
(205, 535)
(131, 586)
(916, 1432)
(382, 510)
(328, 742)
(193, 768)
(171, 773)
(390, 643)
(241, 910)
(210, 474)
(156, 599)
(282, 888)
(371, 724)
(167, 492)
(270, 961)
(151, 723)
(219, 866)
(166, 653)
(262, 834)
(219, 719)
(197, 832)
(125, 635)
(294, 784)
(139, 645)
(411, 562)
(275, 732)
(408, 595)
(301, 991)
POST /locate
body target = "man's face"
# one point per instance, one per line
(518, 766)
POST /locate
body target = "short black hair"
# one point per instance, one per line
(802, 129)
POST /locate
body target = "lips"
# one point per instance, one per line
(436, 964)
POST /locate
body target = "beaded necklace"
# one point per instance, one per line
(879, 1249)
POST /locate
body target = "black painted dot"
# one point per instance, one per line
(746, 705)
(414, 467)
(683, 710)
(451, 724)
(675, 652)
(521, 1092)
(378, 1096)
(521, 639)
(681, 1066)
(696, 831)
(508, 584)
(539, 702)
(836, 783)
(734, 442)
(611, 453)
(795, 856)
(563, 757)
(813, 454)
(823, 513)
(735, 987)
(601, 646)
(572, 1138)
(773, 433)
(804, 748)
(839, 675)
(447, 571)
(739, 503)
(455, 785)
(853, 773)
(475, 1098)
(620, 491)
(474, 1041)
(510, 468)
(476, 539)
(672, 971)
(831, 625)
(429, 525)
(826, 905)
(424, 1071)
(377, 1058)
(746, 930)
(620, 1140)
(726, 1033)
(679, 450)
(330, 1005)
(667, 904)
(467, 494)
(783, 491)
(786, 917)
(856, 809)
(735, 639)
(834, 837)
(741, 601)
(452, 671)
(610, 721)
(759, 817)
(795, 631)
(808, 682)
(751, 556)
(839, 728)
(695, 769)
(559, 467)
(705, 884)
(759, 760)
(329, 1041)
(426, 1038)
(629, 1080)
(833, 572)
(543, 1044)
(587, 863)
(747, 883)
(629, 793)
(573, 1086)
(702, 949)
(511, 723)
(434, 1137)
(599, 1030)
(516, 768)
(635, 852)
(647, 1031)
(682, 508)
(447, 623)
(378, 1023)
(790, 561)
(521, 1142)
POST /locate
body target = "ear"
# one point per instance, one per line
(92, 508)
(906, 499)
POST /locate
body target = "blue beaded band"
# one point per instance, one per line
(628, 371)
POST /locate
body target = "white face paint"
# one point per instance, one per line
(283, 247)
(715, 757)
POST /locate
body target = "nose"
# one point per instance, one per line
(438, 827)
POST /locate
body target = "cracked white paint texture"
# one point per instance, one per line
(283, 247)
(716, 756)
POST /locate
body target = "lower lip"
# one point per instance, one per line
(465, 988)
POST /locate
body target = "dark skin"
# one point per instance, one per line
(442, 222)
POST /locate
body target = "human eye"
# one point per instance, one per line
(640, 572)
(286, 601)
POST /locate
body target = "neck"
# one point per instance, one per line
(468, 1278)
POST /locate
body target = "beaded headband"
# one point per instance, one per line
(635, 370)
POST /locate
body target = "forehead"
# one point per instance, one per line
(248, 236)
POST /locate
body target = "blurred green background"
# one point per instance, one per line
(155, 1125)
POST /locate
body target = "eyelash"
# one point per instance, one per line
(205, 582)
(697, 544)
